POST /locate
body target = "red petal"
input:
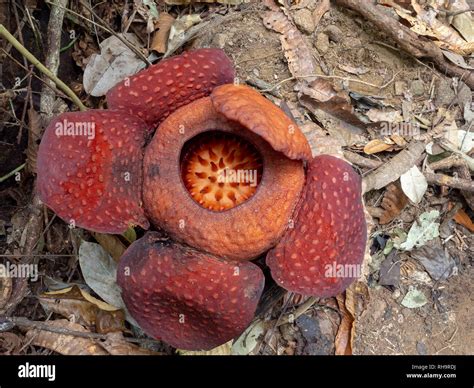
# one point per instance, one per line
(323, 253)
(153, 94)
(90, 169)
(189, 299)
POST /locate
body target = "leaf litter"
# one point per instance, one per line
(333, 121)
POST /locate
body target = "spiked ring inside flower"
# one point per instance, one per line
(226, 174)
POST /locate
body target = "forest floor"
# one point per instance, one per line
(416, 300)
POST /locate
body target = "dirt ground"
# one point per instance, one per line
(382, 325)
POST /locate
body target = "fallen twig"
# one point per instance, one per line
(13, 172)
(25, 323)
(446, 180)
(360, 161)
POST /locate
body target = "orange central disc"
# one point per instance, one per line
(220, 170)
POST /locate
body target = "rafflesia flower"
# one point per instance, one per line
(226, 174)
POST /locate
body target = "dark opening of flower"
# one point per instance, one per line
(220, 170)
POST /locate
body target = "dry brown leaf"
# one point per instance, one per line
(100, 304)
(399, 140)
(111, 243)
(297, 52)
(360, 70)
(333, 110)
(65, 344)
(320, 90)
(462, 218)
(76, 310)
(6, 286)
(377, 145)
(317, 137)
(222, 350)
(394, 168)
(343, 341)
(323, 96)
(110, 321)
(116, 345)
(425, 23)
(162, 32)
(394, 201)
(76, 305)
(10, 343)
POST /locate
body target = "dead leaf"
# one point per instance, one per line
(377, 115)
(6, 286)
(353, 70)
(377, 145)
(162, 32)
(399, 140)
(462, 218)
(109, 321)
(100, 272)
(74, 304)
(414, 184)
(223, 350)
(394, 201)
(111, 243)
(318, 139)
(343, 337)
(426, 24)
(320, 90)
(297, 52)
(250, 339)
(457, 59)
(181, 26)
(117, 345)
(72, 307)
(394, 168)
(65, 344)
(464, 23)
(115, 62)
(10, 343)
(323, 96)
(335, 114)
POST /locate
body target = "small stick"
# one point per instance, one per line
(447, 163)
(38, 325)
(361, 161)
(13, 172)
(446, 180)
(290, 318)
(36, 63)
